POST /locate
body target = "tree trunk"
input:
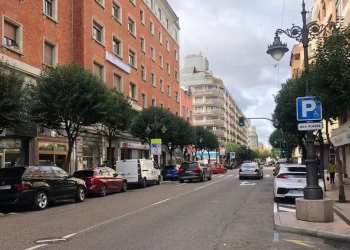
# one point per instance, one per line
(66, 165)
(344, 162)
(111, 153)
(209, 156)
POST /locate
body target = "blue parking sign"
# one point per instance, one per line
(309, 108)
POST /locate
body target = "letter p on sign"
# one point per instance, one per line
(307, 106)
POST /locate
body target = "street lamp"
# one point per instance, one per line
(303, 34)
(155, 126)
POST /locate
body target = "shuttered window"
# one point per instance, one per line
(98, 70)
(10, 36)
(48, 54)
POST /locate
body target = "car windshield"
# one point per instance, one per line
(85, 173)
(170, 166)
(248, 166)
(189, 165)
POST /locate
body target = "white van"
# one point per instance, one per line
(141, 171)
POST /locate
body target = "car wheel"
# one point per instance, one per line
(181, 181)
(41, 201)
(159, 180)
(103, 191)
(144, 183)
(202, 179)
(124, 187)
(80, 194)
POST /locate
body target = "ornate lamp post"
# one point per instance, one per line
(156, 126)
(303, 34)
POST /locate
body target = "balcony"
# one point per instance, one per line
(219, 132)
(216, 102)
(214, 122)
(199, 92)
(209, 112)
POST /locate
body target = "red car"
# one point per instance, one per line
(102, 180)
(217, 169)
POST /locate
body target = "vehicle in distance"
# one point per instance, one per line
(218, 169)
(38, 185)
(193, 170)
(250, 170)
(102, 181)
(290, 181)
(170, 172)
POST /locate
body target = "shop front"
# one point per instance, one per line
(14, 151)
(133, 151)
(341, 140)
(52, 152)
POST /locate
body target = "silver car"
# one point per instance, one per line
(250, 170)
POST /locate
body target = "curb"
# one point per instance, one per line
(2, 215)
(342, 216)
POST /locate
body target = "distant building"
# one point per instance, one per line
(252, 138)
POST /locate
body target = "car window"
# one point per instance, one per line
(84, 173)
(296, 169)
(104, 172)
(47, 172)
(189, 165)
(111, 171)
(12, 172)
(34, 172)
(249, 166)
(59, 172)
(155, 165)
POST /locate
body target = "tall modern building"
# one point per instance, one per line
(252, 137)
(214, 107)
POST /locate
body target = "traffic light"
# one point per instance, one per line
(241, 121)
(185, 154)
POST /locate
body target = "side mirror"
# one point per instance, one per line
(115, 174)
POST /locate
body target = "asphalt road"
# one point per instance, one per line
(217, 214)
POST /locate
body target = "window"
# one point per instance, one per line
(118, 82)
(132, 90)
(49, 54)
(144, 100)
(160, 37)
(117, 47)
(176, 96)
(167, 45)
(168, 68)
(133, 2)
(168, 91)
(48, 8)
(117, 12)
(98, 70)
(167, 23)
(175, 54)
(59, 172)
(153, 56)
(161, 61)
(151, 27)
(169, 109)
(101, 2)
(152, 4)
(143, 44)
(160, 14)
(153, 79)
(97, 32)
(142, 16)
(131, 26)
(47, 172)
(175, 34)
(143, 72)
(12, 35)
(153, 102)
(132, 58)
(161, 84)
(177, 113)
(162, 106)
(176, 76)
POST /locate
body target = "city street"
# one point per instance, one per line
(224, 213)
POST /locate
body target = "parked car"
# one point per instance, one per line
(218, 169)
(38, 185)
(139, 172)
(102, 181)
(228, 165)
(193, 170)
(290, 181)
(251, 170)
(170, 172)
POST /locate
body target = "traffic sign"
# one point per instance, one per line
(232, 155)
(156, 141)
(156, 149)
(309, 126)
(309, 108)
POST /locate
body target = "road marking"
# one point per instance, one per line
(230, 175)
(220, 176)
(276, 237)
(68, 236)
(267, 175)
(178, 185)
(246, 183)
(302, 243)
(275, 207)
(36, 247)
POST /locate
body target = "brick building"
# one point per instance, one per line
(133, 45)
(186, 103)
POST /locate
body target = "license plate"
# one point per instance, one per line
(296, 192)
(5, 187)
(188, 171)
(169, 175)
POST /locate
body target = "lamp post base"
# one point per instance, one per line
(313, 193)
(314, 210)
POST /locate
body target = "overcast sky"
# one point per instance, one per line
(233, 35)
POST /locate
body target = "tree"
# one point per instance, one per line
(13, 99)
(117, 118)
(330, 81)
(210, 141)
(67, 98)
(200, 143)
(283, 141)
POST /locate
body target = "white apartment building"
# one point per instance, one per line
(252, 137)
(213, 106)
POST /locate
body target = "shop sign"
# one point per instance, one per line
(117, 62)
(134, 146)
(10, 144)
(341, 135)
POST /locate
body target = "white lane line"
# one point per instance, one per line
(144, 208)
(36, 247)
(68, 236)
(220, 176)
(267, 175)
(180, 184)
(230, 175)
(275, 207)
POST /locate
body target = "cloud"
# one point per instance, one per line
(234, 35)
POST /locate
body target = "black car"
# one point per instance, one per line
(38, 185)
(194, 170)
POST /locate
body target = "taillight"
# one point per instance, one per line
(196, 169)
(94, 180)
(282, 176)
(20, 187)
(139, 170)
(180, 170)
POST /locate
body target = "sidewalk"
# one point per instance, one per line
(337, 230)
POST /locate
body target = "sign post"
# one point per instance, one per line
(156, 148)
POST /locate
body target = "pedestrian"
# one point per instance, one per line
(331, 170)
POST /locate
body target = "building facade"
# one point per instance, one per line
(186, 104)
(214, 107)
(133, 45)
(253, 141)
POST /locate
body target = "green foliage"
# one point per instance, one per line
(68, 97)
(242, 152)
(13, 99)
(285, 141)
(263, 153)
